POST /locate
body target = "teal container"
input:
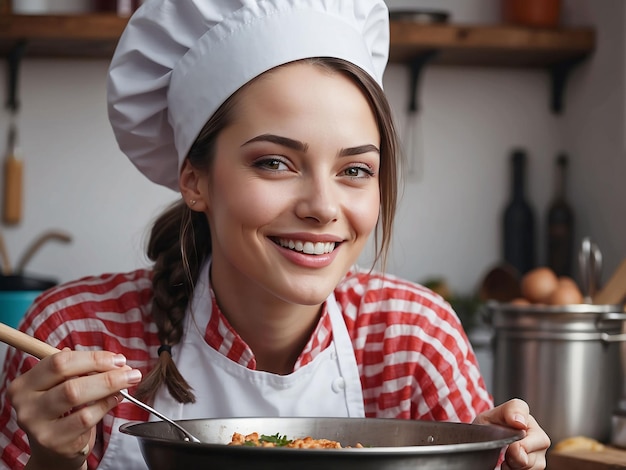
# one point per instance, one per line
(14, 304)
(17, 293)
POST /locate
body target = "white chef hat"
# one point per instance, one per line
(179, 60)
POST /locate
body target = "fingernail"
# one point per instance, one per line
(119, 360)
(520, 419)
(133, 376)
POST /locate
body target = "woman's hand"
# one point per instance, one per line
(61, 399)
(527, 453)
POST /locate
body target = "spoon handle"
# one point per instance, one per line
(149, 409)
(25, 343)
(39, 349)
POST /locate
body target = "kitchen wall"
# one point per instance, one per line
(595, 131)
(449, 218)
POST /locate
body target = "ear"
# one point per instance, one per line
(192, 184)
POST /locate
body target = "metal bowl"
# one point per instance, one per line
(390, 444)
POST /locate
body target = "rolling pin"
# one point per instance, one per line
(13, 175)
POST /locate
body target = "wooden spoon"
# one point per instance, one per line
(39, 349)
(614, 291)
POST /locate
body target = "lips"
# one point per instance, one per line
(307, 247)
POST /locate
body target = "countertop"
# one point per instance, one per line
(610, 458)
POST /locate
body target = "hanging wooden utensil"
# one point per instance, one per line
(13, 180)
(13, 165)
(4, 258)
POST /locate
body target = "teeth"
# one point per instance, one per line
(308, 248)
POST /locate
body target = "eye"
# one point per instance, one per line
(271, 163)
(358, 172)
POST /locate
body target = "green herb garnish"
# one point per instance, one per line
(276, 439)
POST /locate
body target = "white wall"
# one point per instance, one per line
(595, 131)
(448, 222)
(471, 117)
(449, 218)
(76, 179)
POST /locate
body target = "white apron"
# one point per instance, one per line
(328, 386)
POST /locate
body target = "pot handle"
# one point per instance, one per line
(618, 338)
(609, 317)
(615, 316)
(612, 317)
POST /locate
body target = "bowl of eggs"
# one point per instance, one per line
(541, 286)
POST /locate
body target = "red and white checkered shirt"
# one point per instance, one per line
(414, 359)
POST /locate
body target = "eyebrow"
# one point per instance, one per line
(302, 147)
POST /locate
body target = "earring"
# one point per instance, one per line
(192, 202)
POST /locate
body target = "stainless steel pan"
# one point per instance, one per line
(390, 444)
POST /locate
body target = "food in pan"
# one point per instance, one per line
(276, 440)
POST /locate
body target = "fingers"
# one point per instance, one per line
(61, 399)
(68, 380)
(530, 452)
(71, 396)
(514, 414)
(72, 454)
(87, 416)
(518, 459)
(66, 364)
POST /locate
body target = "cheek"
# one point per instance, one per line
(364, 212)
(245, 202)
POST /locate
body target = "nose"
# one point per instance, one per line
(319, 200)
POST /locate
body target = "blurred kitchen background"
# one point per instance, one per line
(470, 119)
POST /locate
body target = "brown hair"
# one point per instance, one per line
(180, 239)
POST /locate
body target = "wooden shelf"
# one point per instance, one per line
(556, 50)
(95, 36)
(80, 36)
(498, 45)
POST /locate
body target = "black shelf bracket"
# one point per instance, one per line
(416, 65)
(14, 59)
(559, 75)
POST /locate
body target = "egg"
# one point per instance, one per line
(538, 284)
(566, 292)
(520, 301)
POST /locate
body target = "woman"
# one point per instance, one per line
(269, 118)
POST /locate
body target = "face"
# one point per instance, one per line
(293, 192)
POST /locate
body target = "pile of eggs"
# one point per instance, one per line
(541, 286)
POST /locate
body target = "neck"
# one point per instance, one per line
(275, 331)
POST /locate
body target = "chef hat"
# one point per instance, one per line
(179, 60)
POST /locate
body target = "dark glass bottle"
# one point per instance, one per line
(519, 220)
(560, 224)
(121, 7)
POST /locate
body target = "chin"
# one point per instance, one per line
(315, 296)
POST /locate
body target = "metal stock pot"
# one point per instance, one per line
(564, 361)
(391, 444)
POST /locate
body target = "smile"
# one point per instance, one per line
(308, 248)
